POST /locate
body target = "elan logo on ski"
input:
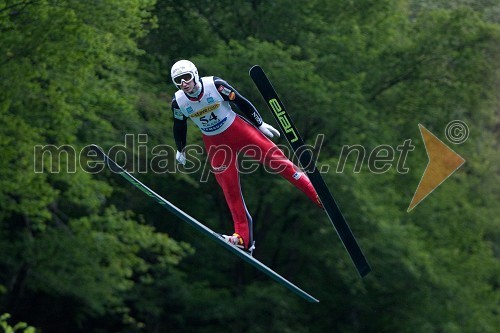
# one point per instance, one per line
(283, 120)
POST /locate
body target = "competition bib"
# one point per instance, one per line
(212, 114)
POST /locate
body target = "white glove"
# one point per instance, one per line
(268, 130)
(181, 157)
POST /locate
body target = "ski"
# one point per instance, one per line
(115, 168)
(306, 161)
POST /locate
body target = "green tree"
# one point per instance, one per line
(358, 72)
(68, 80)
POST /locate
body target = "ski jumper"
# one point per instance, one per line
(225, 135)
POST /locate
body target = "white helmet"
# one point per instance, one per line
(184, 70)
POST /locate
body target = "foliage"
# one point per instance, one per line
(19, 327)
(82, 251)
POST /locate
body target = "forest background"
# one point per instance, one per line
(84, 251)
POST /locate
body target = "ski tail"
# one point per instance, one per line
(306, 161)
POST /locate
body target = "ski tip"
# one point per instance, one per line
(98, 151)
(104, 158)
(254, 68)
(96, 148)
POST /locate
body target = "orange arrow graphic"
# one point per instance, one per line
(443, 162)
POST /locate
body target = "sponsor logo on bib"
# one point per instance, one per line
(205, 110)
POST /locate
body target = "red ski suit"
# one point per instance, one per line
(233, 136)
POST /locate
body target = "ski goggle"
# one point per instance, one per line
(188, 77)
